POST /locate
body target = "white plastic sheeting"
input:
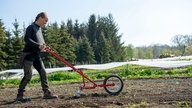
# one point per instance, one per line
(173, 62)
(17, 73)
(161, 63)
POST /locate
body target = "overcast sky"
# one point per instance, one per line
(142, 22)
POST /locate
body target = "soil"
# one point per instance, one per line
(137, 93)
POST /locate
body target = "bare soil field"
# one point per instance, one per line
(137, 93)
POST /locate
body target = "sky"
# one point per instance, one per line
(140, 22)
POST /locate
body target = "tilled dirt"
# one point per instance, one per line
(137, 93)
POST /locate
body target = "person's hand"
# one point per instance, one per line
(48, 47)
(42, 46)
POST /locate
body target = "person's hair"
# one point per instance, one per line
(42, 15)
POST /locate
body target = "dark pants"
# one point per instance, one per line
(37, 63)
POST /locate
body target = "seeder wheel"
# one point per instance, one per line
(118, 84)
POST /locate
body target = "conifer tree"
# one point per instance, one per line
(92, 29)
(9, 50)
(110, 31)
(17, 43)
(3, 54)
(104, 49)
(66, 48)
(76, 30)
(70, 28)
(85, 53)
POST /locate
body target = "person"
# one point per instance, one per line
(34, 44)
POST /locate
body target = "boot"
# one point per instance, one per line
(21, 99)
(49, 95)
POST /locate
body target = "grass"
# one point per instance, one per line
(126, 71)
(183, 104)
(147, 72)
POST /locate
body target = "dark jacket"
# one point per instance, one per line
(33, 38)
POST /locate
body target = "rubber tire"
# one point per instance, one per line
(118, 89)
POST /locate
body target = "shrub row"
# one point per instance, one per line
(123, 72)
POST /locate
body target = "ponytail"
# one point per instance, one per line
(42, 15)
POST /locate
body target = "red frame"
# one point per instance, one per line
(49, 50)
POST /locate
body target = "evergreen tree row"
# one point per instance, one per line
(96, 41)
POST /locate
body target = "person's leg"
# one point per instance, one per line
(39, 66)
(27, 77)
